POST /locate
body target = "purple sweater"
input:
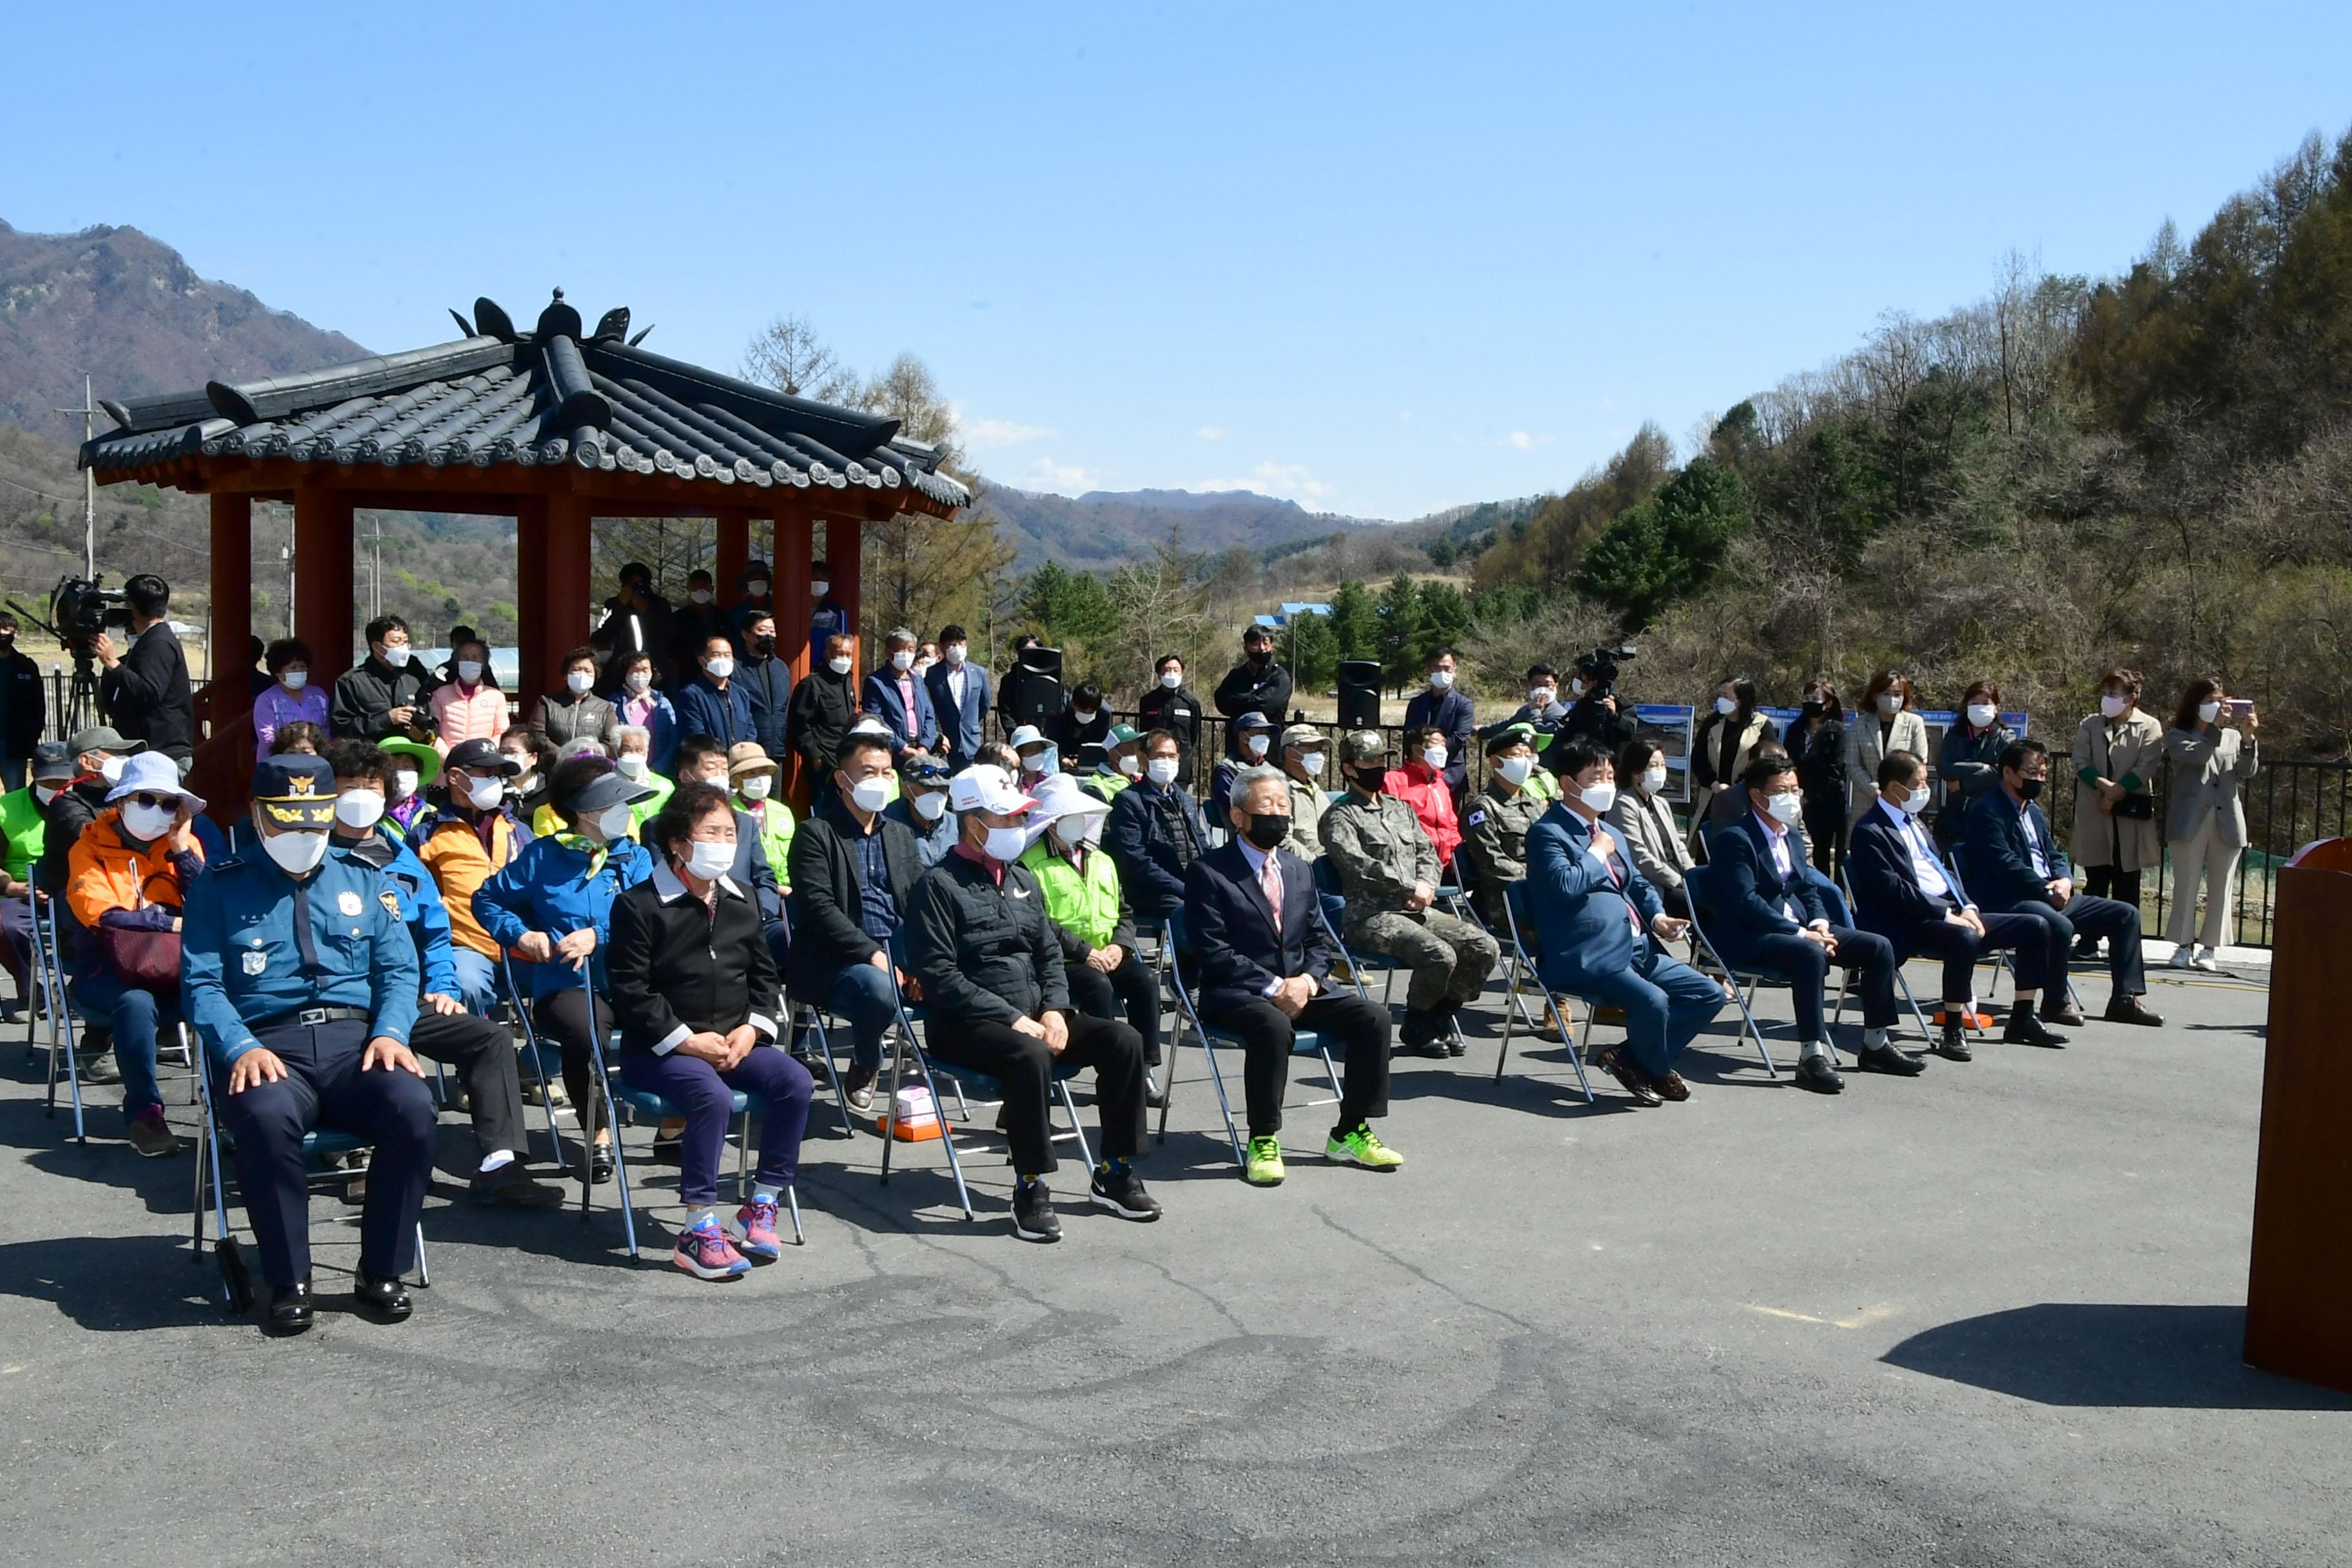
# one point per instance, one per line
(276, 707)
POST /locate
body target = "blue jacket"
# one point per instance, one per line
(1579, 912)
(1887, 894)
(880, 698)
(549, 887)
(421, 909)
(961, 727)
(933, 840)
(724, 716)
(768, 682)
(661, 723)
(1142, 845)
(1238, 943)
(241, 961)
(1996, 856)
(1747, 893)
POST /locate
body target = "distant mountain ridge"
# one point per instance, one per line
(1104, 528)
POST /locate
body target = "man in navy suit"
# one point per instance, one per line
(894, 694)
(1444, 707)
(959, 694)
(1904, 892)
(2014, 867)
(1260, 960)
(1768, 916)
(712, 703)
(1599, 922)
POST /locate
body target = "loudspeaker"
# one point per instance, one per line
(1359, 694)
(1031, 693)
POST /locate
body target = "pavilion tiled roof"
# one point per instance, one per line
(552, 395)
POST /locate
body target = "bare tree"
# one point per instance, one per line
(788, 355)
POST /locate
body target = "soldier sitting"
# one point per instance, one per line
(1496, 820)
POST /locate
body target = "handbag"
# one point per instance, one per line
(2136, 808)
(143, 959)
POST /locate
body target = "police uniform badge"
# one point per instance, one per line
(348, 903)
(390, 904)
(256, 960)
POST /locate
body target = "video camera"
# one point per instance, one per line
(1598, 668)
(80, 611)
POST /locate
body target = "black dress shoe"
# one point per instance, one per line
(2025, 1029)
(291, 1310)
(385, 1300)
(600, 1164)
(1887, 1059)
(1422, 1034)
(2131, 1010)
(1817, 1073)
(1954, 1045)
(1450, 1034)
(2066, 1015)
(1635, 1082)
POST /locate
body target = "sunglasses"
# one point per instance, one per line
(153, 801)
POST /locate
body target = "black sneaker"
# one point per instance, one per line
(1033, 1218)
(1121, 1192)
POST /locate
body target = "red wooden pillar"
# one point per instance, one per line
(564, 619)
(790, 588)
(734, 550)
(231, 585)
(323, 572)
(845, 552)
(538, 675)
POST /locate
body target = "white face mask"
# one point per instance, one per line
(44, 794)
(1654, 779)
(954, 652)
(359, 807)
(295, 679)
(1085, 715)
(1915, 802)
(2207, 711)
(1131, 765)
(1598, 799)
(839, 664)
(1980, 715)
(699, 595)
(1311, 762)
(931, 804)
(902, 659)
(1254, 744)
(1890, 702)
(1785, 809)
(720, 668)
(403, 783)
(871, 794)
(1006, 843)
(757, 786)
(111, 770)
(758, 588)
(612, 822)
(816, 589)
(632, 764)
(1162, 771)
(1727, 706)
(1169, 679)
(1515, 769)
(639, 680)
(1576, 686)
(579, 681)
(2115, 707)
(147, 823)
(469, 670)
(395, 654)
(1439, 680)
(1435, 757)
(1540, 697)
(1071, 830)
(482, 795)
(709, 862)
(297, 854)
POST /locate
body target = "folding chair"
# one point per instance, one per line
(1696, 884)
(986, 1090)
(513, 997)
(817, 1012)
(1328, 893)
(53, 996)
(320, 1145)
(1523, 961)
(1304, 1042)
(1902, 982)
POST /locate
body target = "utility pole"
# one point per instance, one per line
(88, 412)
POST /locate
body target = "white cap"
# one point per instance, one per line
(1027, 735)
(151, 773)
(1057, 795)
(984, 787)
(871, 725)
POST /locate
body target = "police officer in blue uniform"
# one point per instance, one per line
(482, 1052)
(302, 979)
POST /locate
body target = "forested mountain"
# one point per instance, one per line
(1105, 527)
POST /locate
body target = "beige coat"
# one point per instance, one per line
(1645, 826)
(2127, 751)
(1709, 739)
(1863, 755)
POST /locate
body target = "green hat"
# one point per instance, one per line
(1121, 735)
(429, 761)
(1510, 735)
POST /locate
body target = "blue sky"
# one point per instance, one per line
(1379, 260)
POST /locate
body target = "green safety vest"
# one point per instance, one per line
(776, 824)
(20, 819)
(1085, 906)
(646, 810)
(1104, 786)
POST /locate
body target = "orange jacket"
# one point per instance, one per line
(103, 873)
(453, 850)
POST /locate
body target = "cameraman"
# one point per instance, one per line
(24, 706)
(145, 691)
(383, 695)
(1597, 715)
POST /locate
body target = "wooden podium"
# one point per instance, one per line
(2299, 1288)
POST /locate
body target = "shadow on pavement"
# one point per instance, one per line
(2117, 1354)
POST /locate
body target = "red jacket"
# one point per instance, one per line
(1433, 802)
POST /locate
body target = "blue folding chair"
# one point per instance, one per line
(1526, 956)
(1330, 898)
(1303, 1042)
(817, 1013)
(320, 1146)
(64, 1051)
(1698, 885)
(513, 997)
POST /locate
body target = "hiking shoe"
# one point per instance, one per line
(1121, 1192)
(1033, 1218)
(757, 1220)
(858, 1088)
(98, 1066)
(1263, 1166)
(151, 1136)
(705, 1252)
(1361, 1146)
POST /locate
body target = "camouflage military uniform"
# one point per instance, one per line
(1495, 836)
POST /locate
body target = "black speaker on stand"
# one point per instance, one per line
(1031, 693)
(1359, 694)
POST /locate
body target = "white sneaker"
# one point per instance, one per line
(2206, 961)
(2183, 956)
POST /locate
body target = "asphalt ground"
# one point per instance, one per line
(1990, 1315)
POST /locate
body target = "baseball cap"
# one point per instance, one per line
(1510, 735)
(1302, 735)
(1122, 735)
(922, 768)
(1364, 746)
(479, 752)
(1252, 719)
(152, 772)
(984, 787)
(51, 760)
(102, 738)
(295, 790)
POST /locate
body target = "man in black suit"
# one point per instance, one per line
(2015, 868)
(1769, 916)
(1904, 892)
(1260, 961)
(144, 690)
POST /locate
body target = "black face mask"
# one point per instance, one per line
(1374, 782)
(1260, 655)
(763, 647)
(1267, 829)
(2029, 789)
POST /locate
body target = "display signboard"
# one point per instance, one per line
(1669, 724)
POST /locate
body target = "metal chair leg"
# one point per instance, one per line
(792, 1205)
(831, 1072)
(1062, 1087)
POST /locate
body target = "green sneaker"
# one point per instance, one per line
(1363, 1147)
(1263, 1167)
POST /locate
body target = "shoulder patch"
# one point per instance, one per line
(390, 902)
(1475, 818)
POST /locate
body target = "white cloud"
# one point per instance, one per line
(985, 435)
(1290, 482)
(1521, 441)
(1404, 417)
(1210, 433)
(1059, 479)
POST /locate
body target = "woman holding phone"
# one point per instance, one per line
(2213, 750)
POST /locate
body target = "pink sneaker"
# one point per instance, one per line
(758, 1220)
(705, 1252)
